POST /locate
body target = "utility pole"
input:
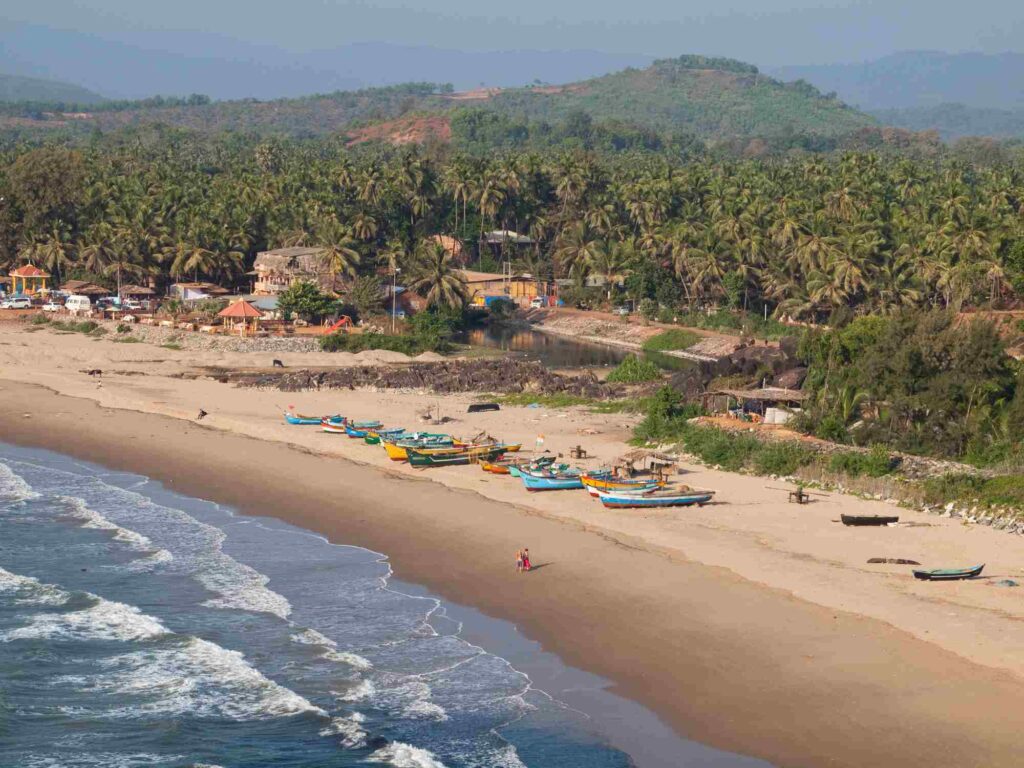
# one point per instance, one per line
(394, 297)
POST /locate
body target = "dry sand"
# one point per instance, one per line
(788, 647)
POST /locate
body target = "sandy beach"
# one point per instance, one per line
(751, 624)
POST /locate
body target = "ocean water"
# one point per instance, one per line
(139, 627)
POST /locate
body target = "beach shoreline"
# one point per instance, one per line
(737, 665)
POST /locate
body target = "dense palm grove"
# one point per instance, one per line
(819, 238)
(804, 237)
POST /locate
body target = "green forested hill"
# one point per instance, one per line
(14, 88)
(717, 98)
(708, 98)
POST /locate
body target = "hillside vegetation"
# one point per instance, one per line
(14, 88)
(709, 98)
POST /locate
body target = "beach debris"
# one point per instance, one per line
(95, 372)
(202, 414)
(1005, 583)
(446, 377)
(480, 407)
(892, 561)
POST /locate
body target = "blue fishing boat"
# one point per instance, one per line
(949, 574)
(551, 481)
(655, 497)
(299, 419)
(361, 428)
(544, 462)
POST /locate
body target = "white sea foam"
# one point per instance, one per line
(350, 729)
(361, 691)
(151, 561)
(195, 677)
(90, 518)
(352, 659)
(12, 487)
(312, 637)
(405, 756)
(239, 587)
(26, 590)
(104, 620)
(99, 760)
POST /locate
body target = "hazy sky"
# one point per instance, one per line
(766, 32)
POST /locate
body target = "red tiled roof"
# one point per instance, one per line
(29, 270)
(240, 309)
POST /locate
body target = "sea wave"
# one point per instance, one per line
(350, 729)
(100, 760)
(102, 620)
(312, 637)
(197, 678)
(90, 518)
(26, 590)
(13, 487)
(403, 755)
(361, 691)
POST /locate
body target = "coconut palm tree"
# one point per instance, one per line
(434, 278)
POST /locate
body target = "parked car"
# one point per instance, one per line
(538, 302)
(131, 305)
(16, 302)
(623, 310)
(78, 304)
(53, 306)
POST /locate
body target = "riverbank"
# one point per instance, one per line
(788, 634)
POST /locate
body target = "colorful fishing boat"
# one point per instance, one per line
(498, 467)
(655, 497)
(299, 420)
(544, 462)
(551, 481)
(444, 457)
(949, 574)
(607, 481)
(361, 429)
(398, 450)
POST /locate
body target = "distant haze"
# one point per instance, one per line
(237, 48)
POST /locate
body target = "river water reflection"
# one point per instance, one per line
(552, 351)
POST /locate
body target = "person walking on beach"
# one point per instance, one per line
(526, 559)
(519, 561)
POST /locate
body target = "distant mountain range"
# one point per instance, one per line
(921, 79)
(17, 88)
(956, 94)
(179, 64)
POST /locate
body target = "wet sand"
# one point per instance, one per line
(727, 661)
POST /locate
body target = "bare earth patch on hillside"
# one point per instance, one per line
(412, 130)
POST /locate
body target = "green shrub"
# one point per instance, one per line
(648, 308)
(665, 416)
(781, 458)
(876, 463)
(341, 342)
(127, 340)
(123, 328)
(633, 370)
(1003, 490)
(677, 338)
(171, 345)
(39, 320)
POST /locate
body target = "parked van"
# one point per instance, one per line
(77, 305)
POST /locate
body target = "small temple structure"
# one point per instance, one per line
(28, 280)
(241, 316)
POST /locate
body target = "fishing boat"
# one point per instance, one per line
(551, 481)
(869, 519)
(361, 429)
(298, 419)
(398, 451)
(607, 481)
(655, 497)
(949, 574)
(444, 457)
(498, 467)
(333, 428)
(543, 462)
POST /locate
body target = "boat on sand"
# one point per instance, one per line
(949, 574)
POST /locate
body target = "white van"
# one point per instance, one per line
(77, 305)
